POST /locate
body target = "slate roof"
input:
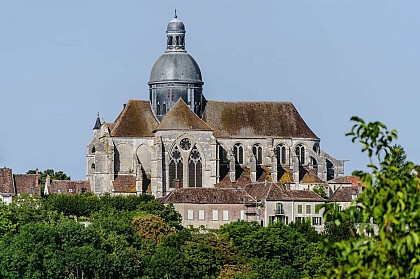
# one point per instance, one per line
(209, 196)
(69, 187)
(27, 184)
(251, 119)
(344, 194)
(180, 117)
(136, 120)
(6, 181)
(125, 184)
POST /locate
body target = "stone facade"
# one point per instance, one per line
(178, 138)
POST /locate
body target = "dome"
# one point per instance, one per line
(175, 66)
(175, 25)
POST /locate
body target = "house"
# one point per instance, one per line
(16, 184)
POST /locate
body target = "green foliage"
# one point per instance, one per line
(59, 175)
(320, 191)
(6, 223)
(391, 200)
(151, 227)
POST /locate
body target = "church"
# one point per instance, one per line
(179, 139)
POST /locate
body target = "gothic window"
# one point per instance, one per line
(238, 152)
(257, 151)
(195, 169)
(164, 108)
(281, 154)
(185, 144)
(176, 168)
(158, 112)
(314, 163)
(316, 148)
(330, 170)
(300, 152)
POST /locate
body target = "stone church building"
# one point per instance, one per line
(179, 139)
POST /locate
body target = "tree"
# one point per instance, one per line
(391, 201)
(151, 227)
(59, 175)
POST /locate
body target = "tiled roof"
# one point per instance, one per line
(125, 184)
(136, 120)
(69, 187)
(6, 181)
(307, 175)
(209, 196)
(353, 180)
(180, 117)
(293, 195)
(250, 119)
(243, 177)
(27, 184)
(261, 191)
(344, 194)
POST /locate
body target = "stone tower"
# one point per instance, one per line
(175, 75)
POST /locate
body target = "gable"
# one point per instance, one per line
(180, 117)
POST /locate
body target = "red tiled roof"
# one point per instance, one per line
(69, 187)
(353, 180)
(27, 184)
(6, 181)
(344, 194)
(136, 120)
(180, 117)
(250, 119)
(209, 196)
(125, 184)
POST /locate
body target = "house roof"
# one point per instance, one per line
(293, 195)
(274, 192)
(180, 117)
(136, 120)
(27, 184)
(344, 194)
(125, 184)
(353, 180)
(69, 187)
(209, 196)
(6, 181)
(251, 119)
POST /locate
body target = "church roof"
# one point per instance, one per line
(250, 119)
(180, 117)
(136, 120)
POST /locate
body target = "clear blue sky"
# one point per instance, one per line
(61, 62)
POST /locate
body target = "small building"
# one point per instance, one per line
(212, 207)
(66, 187)
(281, 205)
(345, 196)
(16, 184)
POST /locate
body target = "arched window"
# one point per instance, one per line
(176, 168)
(93, 149)
(316, 148)
(281, 154)
(257, 151)
(195, 169)
(158, 112)
(300, 152)
(314, 163)
(330, 170)
(164, 108)
(238, 152)
(170, 40)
